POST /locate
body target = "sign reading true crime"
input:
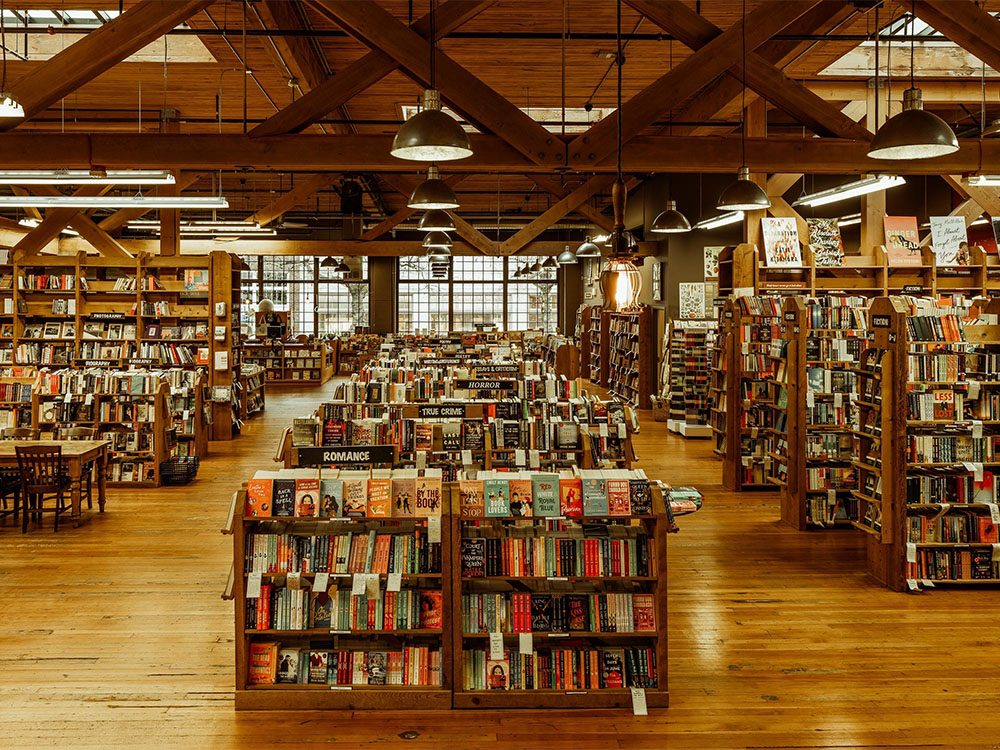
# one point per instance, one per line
(439, 410)
(366, 455)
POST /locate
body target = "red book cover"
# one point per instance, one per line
(430, 609)
(643, 615)
(987, 530)
(259, 496)
(570, 496)
(619, 503)
(306, 495)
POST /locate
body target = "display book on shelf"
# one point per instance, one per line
(252, 391)
(148, 311)
(743, 367)
(367, 588)
(148, 416)
(685, 376)
(628, 349)
(815, 421)
(291, 361)
(927, 493)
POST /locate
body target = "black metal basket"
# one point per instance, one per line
(179, 470)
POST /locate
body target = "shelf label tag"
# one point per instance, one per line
(838, 400)
(68, 397)
(321, 583)
(534, 459)
(977, 472)
(745, 348)
(994, 512)
(253, 585)
(912, 585)
(341, 687)
(421, 460)
(973, 390)
(371, 585)
(639, 701)
(525, 643)
(911, 552)
(358, 584)
(293, 580)
(395, 581)
(602, 429)
(810, 400)
(831, 498)
(977, 429)
(496, 646)
(467, 457)
(519, 457)
(433, 529)
(88, 399)
(995, 557)
(621, 430)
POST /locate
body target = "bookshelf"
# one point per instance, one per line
(343, 564)
(687, 376)
(16, 401)
(563, 602)
(582, 332)
(6, 307)
(252, 391)
(598, 346)
(629, 364)
(561, 355)
(720, 365)
(286, 362)
(927, 495)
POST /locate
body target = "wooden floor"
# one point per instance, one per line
(114, 635)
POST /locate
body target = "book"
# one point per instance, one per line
(379, 497)
(306, 496)
(472, 434)
(781, 242)
(263, 663)
(643, 613)
(949, 240)
(403, 496)
(473, 558)
(423, 437)
(283, 497)
(288, 665)
(331, 494)
(902, 241)
(376, 667)
(496, 494)
(826, 243)
(640, 497)
(595, 498)
(428, 494)
(259, 490)
(619, 503)
(321, 611)
(612, 668)
(545, 495)
(470, 498)
(355, 497)
(318, 661)
(196, 279)
(541, 613)
(520, 498)
(570, 496)
(497, 674)
(430, 610)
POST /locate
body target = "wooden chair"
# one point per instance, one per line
(41, 478)
(10, 479)
(20, 433)
(82, 433)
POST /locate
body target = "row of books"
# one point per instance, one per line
(939, 327)
(567, 668)
(829, 445)
(131, 284)
(96, 381)
(175, 354)
(43, 281)
(581, 410)
(100, 350)
(504, 386)
(952, 564)
(765, 306)
(830, 478)
(837, 312)
(271, 663)
(15, 392)
(955, 489)
(281, 608)
(77, 410)
(556, 556)
(130, 471)
(407, 552)
(826, 349)
(52, 329)
(948, 449)
(949, 366)
(41, 355)
(965, 527)
(492, 612)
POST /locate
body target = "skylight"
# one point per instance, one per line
(578, 119)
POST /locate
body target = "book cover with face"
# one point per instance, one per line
(520, 498)
(331, 498)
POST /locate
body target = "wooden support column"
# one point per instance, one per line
(754, 125)
(170, 225)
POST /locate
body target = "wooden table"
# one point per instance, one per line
(75, 455)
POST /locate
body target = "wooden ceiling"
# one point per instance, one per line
(497, 60)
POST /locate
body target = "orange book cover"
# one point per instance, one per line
(428, 496)
(379, 495)
(570, 496)
(902, 242)
(259, 496)
(520, 497)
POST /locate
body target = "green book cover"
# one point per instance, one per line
(545, 494)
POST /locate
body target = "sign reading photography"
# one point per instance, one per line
(440, 410)
(353, 454)
(486, 385)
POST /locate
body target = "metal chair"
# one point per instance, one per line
(42, 478)
(10, 479)
(82, 433)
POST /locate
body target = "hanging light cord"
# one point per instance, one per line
(743, 75)
(913, 28)
(618, 110)
(3, 43)
(433, 45)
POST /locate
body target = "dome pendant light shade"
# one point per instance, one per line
(535, 267)
(436, 220)
(588, 249)
(328, 262)
(550, 262)
(913, 133)
(437, 241)
(342, 268)
(433, 193)
(670, 221)
(431, 135)
(9, 106)
(743, 195)
(566, 257)
(439, 256)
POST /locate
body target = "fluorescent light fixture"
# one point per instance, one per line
(850, 190)
(113, 201)
(84, 177)
(599, 239)
(980, 220)
(205, 227)
(32, 223)
(722, 220)
(984, 180)
(850, 220)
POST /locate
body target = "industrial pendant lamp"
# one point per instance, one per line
(436, 220)
(620, 279)
(550, 262)
(433, 192)
(588, 249)
(9, 105)
(439, 256)
(913, 133)
(342, 267)
(437, 241)
(431, 135)
(328, 262)
(743, 195)
(670, 221)
(566, 257)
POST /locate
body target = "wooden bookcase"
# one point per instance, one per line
(326, 696)
(688, 376)
(598, 346)
(902, 525)
(583, 337)
(562, 355)
(286, 362)
(252, 391)
(655, 528)
(7, 308)
(629, 362)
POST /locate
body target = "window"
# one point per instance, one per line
(480, 290)
(318, 300)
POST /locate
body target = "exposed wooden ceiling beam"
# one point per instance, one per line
(987, 197)
(695, 31)
(586, 210)
(56, 220)
(966, 24)
(370, 153)
(467, 94)
(555, 212)
(295, 197)
(686, 79)
(99, 50)
(359, 75)
(117, 220)
(103, 242)
(404, 213)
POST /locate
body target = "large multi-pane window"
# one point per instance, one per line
(318, 300)
(477, 290)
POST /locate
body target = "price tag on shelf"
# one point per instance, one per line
(88, 399)
(911, 552)
(838, 400)
(603, 429)
(371, 585)
(294, 580)
(745, 347)
(433, 529)
(810, 399)
(467, 457)
(831, 497)
(621, 430)
(534, 459)
(253, 585)
(994, 512)
(519, 457)
(186, 414)
(421, 460)
(639, 701)
(496, 646)
(525, 643)
(754, 432)
(67, 397)
(912, 585)
(995, 557)
(395, 581)
(977, 472)
(321, 582)
(977, 429)
(973, 393)
(358, 584)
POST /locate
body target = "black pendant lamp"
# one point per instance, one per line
(744, 194)
(670, 221)
(433, 192)
(436, 220)
(437, 241)
(566, 257)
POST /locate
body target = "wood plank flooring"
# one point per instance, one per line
(114, 635)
